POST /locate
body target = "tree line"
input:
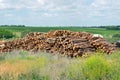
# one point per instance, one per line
(12, 26)
(110, 27)
(117, 27)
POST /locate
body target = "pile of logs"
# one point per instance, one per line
(60, 42)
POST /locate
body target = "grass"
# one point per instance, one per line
(22, 65)
(21, 31)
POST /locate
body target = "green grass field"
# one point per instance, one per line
(22, 31)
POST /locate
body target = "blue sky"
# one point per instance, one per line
(60, 12)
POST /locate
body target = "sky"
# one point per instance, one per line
(60, 12)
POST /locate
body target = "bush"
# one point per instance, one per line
(96, 68)
(116, 35)
(24, 33)
(6, 34)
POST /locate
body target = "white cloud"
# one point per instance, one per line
(1, 0)
(60, 5)
(61, 9)
(106, 4)
(54, 5)
(104, 8)
(1, 4)
(42, 2)
(8, 15)
(49, 15)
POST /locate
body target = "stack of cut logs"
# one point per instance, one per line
(60, 42)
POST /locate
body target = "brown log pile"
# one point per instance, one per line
(60, 42)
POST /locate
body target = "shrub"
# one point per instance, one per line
(96, 68)
(6, 34)
(23, 33)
